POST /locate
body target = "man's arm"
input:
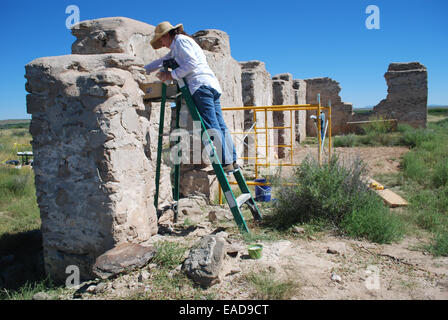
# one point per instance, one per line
(156, 64)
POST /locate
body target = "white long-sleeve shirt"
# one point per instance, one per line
(192, 63)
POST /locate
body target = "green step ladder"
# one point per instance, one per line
(235, 203)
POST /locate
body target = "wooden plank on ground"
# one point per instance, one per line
(392, 199)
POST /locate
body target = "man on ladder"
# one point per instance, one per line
(202, 97)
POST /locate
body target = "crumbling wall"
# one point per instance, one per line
(283, 94)
(300, 115)
(95, 143)
(407, 94)
(132, 37)
(115, 35)
(256, 91)
(341, 112)
(93, 170)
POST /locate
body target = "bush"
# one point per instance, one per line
(430, 207)
(440, 174)
(169, 254)
(373, 222)
(439, 246)
(348, 140)
(335, 193)
(267, 287)
(378, 125)
(16, 182)
(412, 137)
(415, 167)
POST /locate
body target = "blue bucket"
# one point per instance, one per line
(262, 193)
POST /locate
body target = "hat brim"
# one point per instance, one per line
(155, 42)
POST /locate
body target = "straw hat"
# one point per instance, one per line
(162, 29)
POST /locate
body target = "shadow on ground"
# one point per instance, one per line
(21, 259)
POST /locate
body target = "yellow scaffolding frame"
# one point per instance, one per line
(256, 132)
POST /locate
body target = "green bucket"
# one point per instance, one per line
(255, 250)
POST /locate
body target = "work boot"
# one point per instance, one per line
(236, 166)
(228, 168)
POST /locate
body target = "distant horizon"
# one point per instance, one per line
(364, 108)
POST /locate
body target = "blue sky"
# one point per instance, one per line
(306, 38)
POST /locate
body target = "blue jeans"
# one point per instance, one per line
(209, 107)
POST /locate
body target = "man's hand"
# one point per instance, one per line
(164, 76)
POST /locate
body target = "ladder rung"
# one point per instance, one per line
(242, 199)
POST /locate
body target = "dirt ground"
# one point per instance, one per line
(378, 159)
(366, 270)
(327, 266)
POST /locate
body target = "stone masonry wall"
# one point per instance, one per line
(300, 115)
(407, 94)
(132, 37)
(256, 91)
(94, 176)
(283, 94)
(329, 90)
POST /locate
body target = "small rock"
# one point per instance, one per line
(336, 248)
(212, 216)
(233, 250)
(335, 277)
(298, 230)
(144, 275)
(192, 211)
(223, 214)
(222, 234)
(91, 289)
(122, 258)
(205, 261)
(101, 287)
(312, 238)
(41, 296)
(233, 271)
(152, 266)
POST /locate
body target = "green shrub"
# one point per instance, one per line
(348, 140)
(267, 287)
(440, 174)
(415, 167)
(169, 254)
(413, 137)
(378, 125)
(429, 208)
(373, 222)
(439, 244)
(335, 193)
(15, 181)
